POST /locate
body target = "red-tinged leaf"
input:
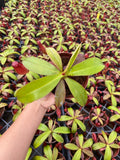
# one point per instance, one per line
(60, 94)
(19, 68)
(41, 47)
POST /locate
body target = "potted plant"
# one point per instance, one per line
(115, 115)
(51, 131)
(50, 154)
(57, 75)
(81, 149)
(107, 145)
(73, 120)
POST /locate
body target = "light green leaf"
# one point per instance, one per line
(37, 88)
(74, 127)
(112, 137)
(43, 127)
(87, 67)
(41, 138)
(80, 124)
(55, 153)
(80, 138)
(60, 93)
(105, 136)
(24, 48)
(28, 153)
(39, 66)
(72, 59)
(48, 152)
(11, 75)
(55, 57)
(77, 155)
(71, 112)
(64, 118)
(3, 105)
(116, 146)
(63, 130)
(58, 137)
(39, 158)
(114, 118)
(77, 91)
(114, 109)
(88, 143)
(71, 146)
(98, 145)
(108, 153)
(113, 99)
(16, 115)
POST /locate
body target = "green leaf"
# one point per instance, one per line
(11, 75)
(74, 127)
(55, 57)
(64, 118)
(28, 153)
(71, 112)
(39, 66)
(77, 155)
(116, 146)
(112, 137)
(105, 136)
(114, 102)
(37, 88)
(114, 109)
(16, 115)
(98, 145)
(114, 118)
(41, 138)
(80, 138)
(24, 48)
(71, 146)
(72, 59)
(63, 130)
(3, 105)
(108, 154)
(55, 153)
(88, 152)
(39, 158)
(48, 152)
(60, 93)
(87, 67)
(43, 127)
(77, 91)
(80, 124)
(58, 137)
(88, 143)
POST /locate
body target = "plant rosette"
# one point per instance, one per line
(50, 133)
(80, 148)
(98, 117)
(115, 114)
(50, 154)
(56, 76)
(108, 145)
(73, 120)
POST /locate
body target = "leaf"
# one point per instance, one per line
(72, 59)
(55, 57)
(40, 139)
(39, 66)
(81, 124)
(96, 101)
(39, 158)
(48, 152)
(87, 67)
(77, 155)
(24, 49)
(80, 138)
(74, 127)
(43, 127)
(16, 115)
(77, 91)
(63, 130)
(88, 143)
(108, 154)
(58, 137)
(11, 75)
(116, 146)
(106, 96)
(114, 109)
(88, 152)
(64, 118)
(71, 146)
(98, 145)
(28, 153)
(114, 102)
(112, 137)
(55, 153)
(105, 136)
(114, 118)
(60, 93)
(37, 88)
(3, 105)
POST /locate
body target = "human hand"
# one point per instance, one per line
(46, 101)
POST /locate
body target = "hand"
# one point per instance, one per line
(46, 101)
